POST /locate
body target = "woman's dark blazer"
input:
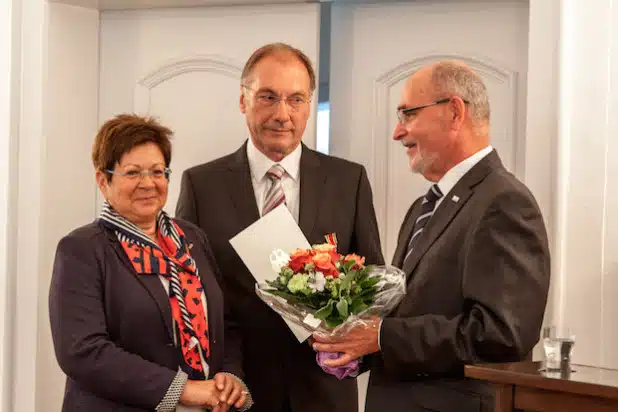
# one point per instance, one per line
(112, 329)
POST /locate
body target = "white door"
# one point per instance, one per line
(376, 47)
(183, 66)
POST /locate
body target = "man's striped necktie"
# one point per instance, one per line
(275, 195)
(427, 208)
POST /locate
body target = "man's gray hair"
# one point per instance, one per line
(454, 78)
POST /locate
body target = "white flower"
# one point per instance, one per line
(319, 282)
(278, 259)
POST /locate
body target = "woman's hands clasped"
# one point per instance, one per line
(219, 393)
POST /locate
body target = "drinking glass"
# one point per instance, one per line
(558, 342)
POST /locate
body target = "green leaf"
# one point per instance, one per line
(357, 301)
(288, 296)
(334, 290)
(361, 276)
(347, 266)
(333, 322)
(369, 282)
(342, 308)
(325, 311)
(346, 283)
(368, 296)
(357, 307)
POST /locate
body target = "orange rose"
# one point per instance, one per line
(335, 257)
(324, 264)
(324, 247)
(299, 259)
(330, 249)
(353, 257)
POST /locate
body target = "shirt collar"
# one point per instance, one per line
(450, 179)
(259, 163)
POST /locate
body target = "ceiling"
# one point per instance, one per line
(151, 4)
(147, 4)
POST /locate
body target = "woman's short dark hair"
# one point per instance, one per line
(122, 133)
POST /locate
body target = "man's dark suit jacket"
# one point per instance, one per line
(477, 287)
(112, 329)
(335, 197)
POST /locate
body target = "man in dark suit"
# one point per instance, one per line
(474, 249)
(324, 194)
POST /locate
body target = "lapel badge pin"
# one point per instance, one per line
(455, 198)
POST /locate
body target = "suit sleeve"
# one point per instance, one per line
(366, 234)
(505, 285)
(82, 343)
(186, 207)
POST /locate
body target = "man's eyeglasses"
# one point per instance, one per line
(267, 99)
(404, 115)
(138, 175)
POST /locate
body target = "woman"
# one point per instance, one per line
(136, 312)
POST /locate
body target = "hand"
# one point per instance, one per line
(200, 393)
(231, 391)
(358, 342)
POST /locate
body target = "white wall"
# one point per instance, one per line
(67, 180)
(587, 228)
(609, 335)
(32, 28)
(52, 121)
(7, 125)
(542, 122)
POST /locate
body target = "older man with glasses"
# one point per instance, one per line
(474, 249)
(324, 194)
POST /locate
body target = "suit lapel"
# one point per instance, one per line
(240, 188)
(449, 207)
(446, 211)
(312, 180)
(405, 233)
(151, 283)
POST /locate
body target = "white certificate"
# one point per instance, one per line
(275, 230)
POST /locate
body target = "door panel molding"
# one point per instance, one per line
(198, 63)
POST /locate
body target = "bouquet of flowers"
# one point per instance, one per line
(322, 290)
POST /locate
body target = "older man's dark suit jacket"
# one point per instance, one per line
(477, 287)
(335, 197)
(112, 329)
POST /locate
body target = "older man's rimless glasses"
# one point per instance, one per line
(404, 115)
(269, 99)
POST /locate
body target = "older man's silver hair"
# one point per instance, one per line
(453, 78)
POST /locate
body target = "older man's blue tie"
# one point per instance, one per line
(427, 208)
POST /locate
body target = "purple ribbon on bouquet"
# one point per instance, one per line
(349, 369)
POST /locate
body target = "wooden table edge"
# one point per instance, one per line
(509, 377)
